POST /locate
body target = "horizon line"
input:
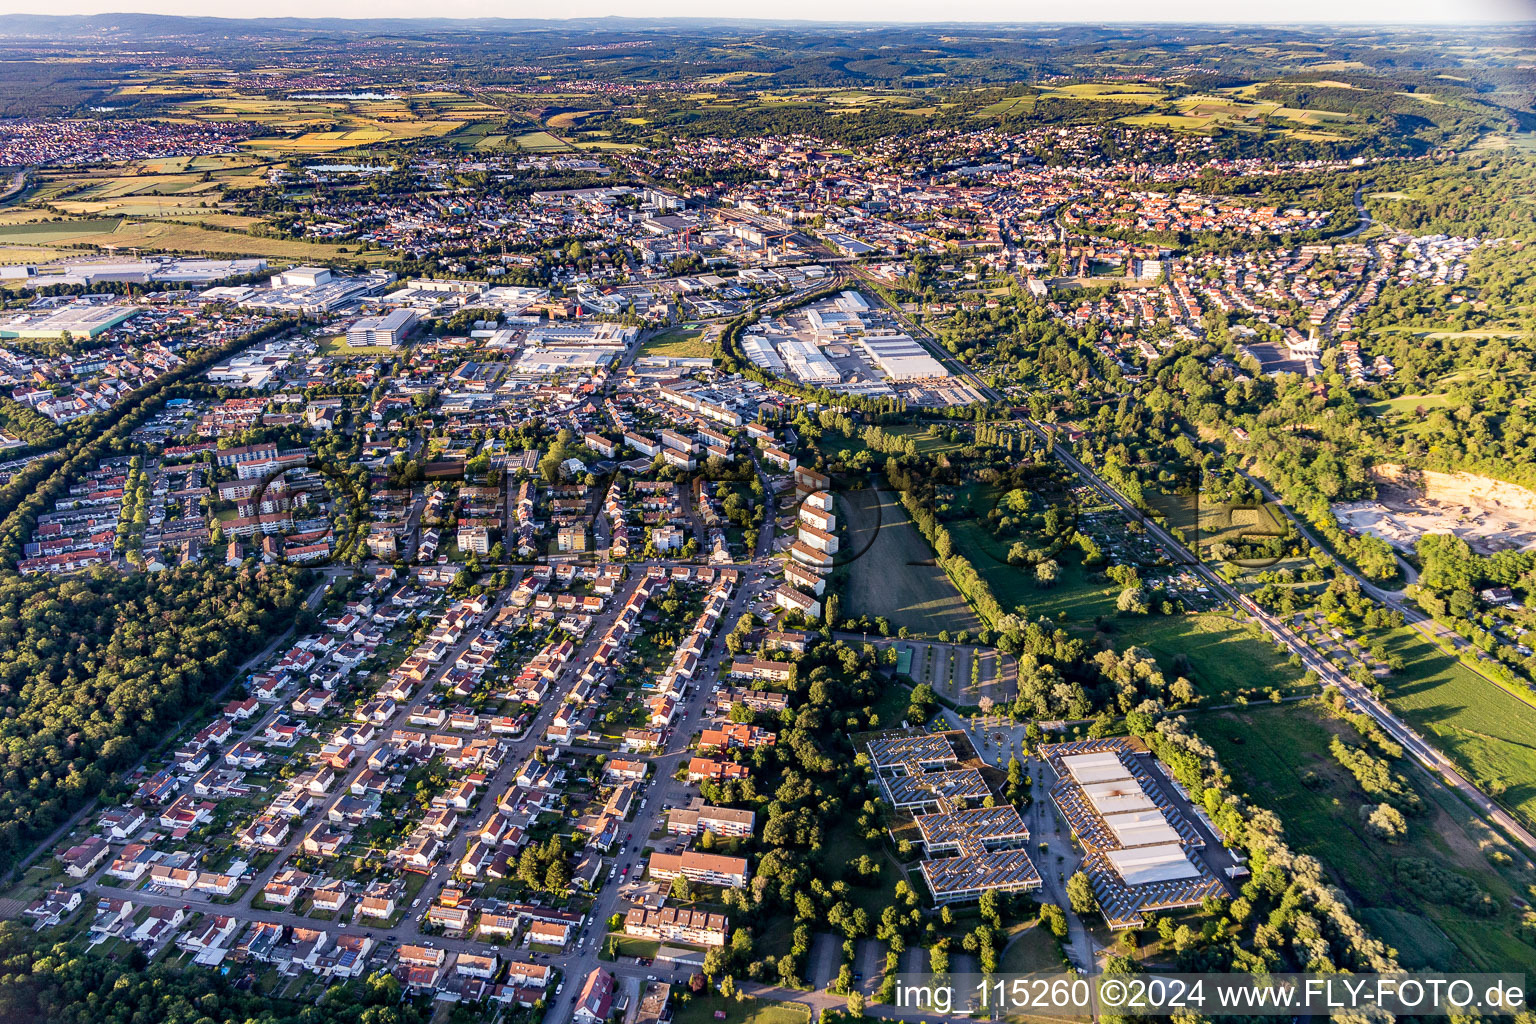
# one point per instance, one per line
(710, 20)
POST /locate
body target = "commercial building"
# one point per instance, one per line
(386, 331)
(1140, 852)
(77, 320)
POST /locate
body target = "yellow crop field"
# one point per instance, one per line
(568, 118)
(331, 141)
(541, 142)
(167, 235)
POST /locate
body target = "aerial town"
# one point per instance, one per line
(547, 531)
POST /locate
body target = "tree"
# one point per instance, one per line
(1047, 572)
(681, 890)
(1132, 600)
(1080, 894)
(1384, 821)
(856, 1003)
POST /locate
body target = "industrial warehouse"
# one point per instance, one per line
(845, 344)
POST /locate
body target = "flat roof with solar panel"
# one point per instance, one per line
(1140, 851)
(954, 879)
(973, 830)
(936, 789)
(902, 752)
(922, 771)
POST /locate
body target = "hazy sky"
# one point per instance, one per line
(1015, 11)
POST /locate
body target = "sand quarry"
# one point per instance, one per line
(1490, 515)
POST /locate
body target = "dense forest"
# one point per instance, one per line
(1488, 195)
(95, 670)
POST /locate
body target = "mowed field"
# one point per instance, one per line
(1490, 734)
(1074, 593)
(1279, 756)
(890, 570)
(680, 342)
(1226, 659)
(166, 235)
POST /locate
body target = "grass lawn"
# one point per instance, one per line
(890, 571)
(1279, 756)
(1074, 593)
(1032, 951)
(844, 845)
(633, 945)
(1225, 658)
(677, 343)
(701, 1010)
(1489, 733)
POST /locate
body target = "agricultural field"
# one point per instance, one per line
(892, 572)
(308, 124)
(541, 142)
(1488, 732)
(167, 235)
(1107, 92)
(353, 138)
(1279, 756)
(1011, 105)
(12, 255)
(32, 232)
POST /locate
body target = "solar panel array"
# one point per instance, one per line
(1138, 847)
